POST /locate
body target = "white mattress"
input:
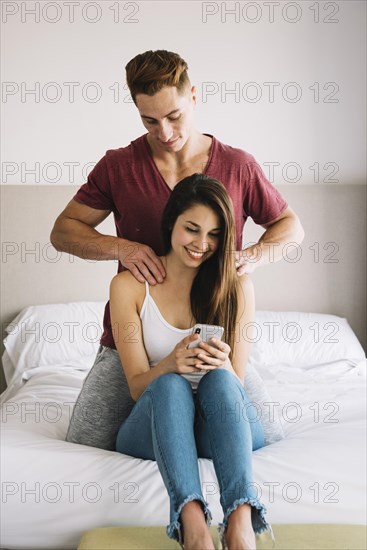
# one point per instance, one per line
(54, 491)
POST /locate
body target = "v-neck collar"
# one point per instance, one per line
(155, 168)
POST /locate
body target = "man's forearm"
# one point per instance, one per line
(79, 239)
(276, 242)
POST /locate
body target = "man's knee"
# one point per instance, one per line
(103, 403)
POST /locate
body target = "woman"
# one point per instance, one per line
(182, 394)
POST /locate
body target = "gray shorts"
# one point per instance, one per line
(103, 403)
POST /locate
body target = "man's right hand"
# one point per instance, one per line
(142, 262)
(74, 232)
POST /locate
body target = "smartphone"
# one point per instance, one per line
(206, 332)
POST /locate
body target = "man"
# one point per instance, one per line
(134, 183)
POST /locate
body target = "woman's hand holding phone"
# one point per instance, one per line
(215, 354)
(193, 354)
(183, 359)
(213, 351)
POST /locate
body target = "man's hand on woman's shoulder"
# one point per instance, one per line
(141, 260)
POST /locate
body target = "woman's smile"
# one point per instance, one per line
(193, 254)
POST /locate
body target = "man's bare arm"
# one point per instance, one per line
(74, 232)
(270, 248)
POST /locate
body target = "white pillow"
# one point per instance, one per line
(259, 395)
(63, 334)
(302, 340)
(54, 334)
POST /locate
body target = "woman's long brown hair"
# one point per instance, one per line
(213, 294)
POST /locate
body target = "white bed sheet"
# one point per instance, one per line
(53, 491)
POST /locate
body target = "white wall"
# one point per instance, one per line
(314, 50)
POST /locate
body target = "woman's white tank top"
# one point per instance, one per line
(160, 337)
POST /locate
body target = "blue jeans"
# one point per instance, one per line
(174, 426)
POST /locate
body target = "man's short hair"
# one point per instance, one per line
(149, 72)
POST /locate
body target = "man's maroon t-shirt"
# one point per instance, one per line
(127, 182)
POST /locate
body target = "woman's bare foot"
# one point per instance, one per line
(239, 534)
(241, 541)
(196, 533)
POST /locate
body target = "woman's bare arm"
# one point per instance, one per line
(244, 327)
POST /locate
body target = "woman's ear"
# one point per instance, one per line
(193, 95)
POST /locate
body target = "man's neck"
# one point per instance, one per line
(194, 146)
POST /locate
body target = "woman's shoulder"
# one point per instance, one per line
(126, 284)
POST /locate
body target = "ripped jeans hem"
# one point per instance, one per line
(259, 523)
(174, 529)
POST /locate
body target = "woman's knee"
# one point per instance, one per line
(217, 378)
(170, 394)
(219, 385)
(171, 385)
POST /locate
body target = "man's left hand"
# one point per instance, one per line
(248, 260)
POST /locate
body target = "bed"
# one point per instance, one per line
(312, 365)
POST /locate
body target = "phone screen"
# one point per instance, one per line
(206, 332)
